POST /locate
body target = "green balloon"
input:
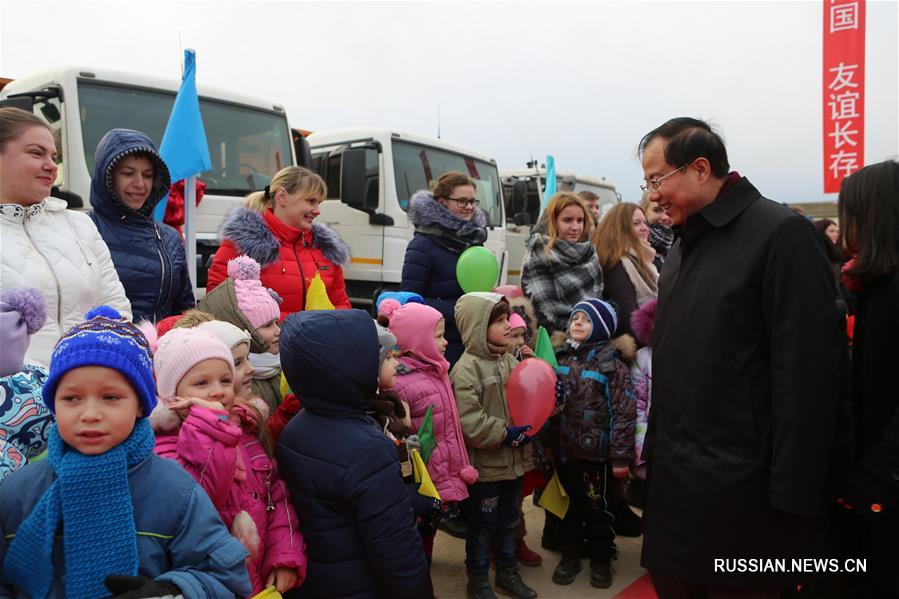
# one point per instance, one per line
(477, 270)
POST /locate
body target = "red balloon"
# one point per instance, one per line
(531, 393)
(509, 291)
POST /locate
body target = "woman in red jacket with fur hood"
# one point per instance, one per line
(277, 229)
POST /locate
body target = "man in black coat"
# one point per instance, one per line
(746, 367)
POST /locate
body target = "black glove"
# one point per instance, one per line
(421, 505)
(561, 392)
(135, 587)
(515, 436)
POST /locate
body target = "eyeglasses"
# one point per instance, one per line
(654, 185)
(466, 202)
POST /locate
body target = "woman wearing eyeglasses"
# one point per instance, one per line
(447, 222)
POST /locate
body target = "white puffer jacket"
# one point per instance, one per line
(60, 253)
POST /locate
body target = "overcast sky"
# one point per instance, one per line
(580, 81)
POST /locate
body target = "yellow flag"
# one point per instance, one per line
(317, 295)
(554, 499)
(268, 592)
(285, 388)
(420, 474)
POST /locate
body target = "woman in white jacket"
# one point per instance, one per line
(44, 245)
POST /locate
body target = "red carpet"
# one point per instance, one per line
(639, 589)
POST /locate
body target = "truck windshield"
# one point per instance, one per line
(606, 196)
(415, 166)
(247, 145)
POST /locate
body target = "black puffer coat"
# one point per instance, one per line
(343, 474)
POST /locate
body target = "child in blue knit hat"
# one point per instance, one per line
(103, 515)
(596, 436)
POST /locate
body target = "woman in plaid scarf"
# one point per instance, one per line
(562, 267)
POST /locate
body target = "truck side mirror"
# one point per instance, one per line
(72, 199)
(26, 103)
(519, 197)
(360, 179)
(304, 153)
(352, 178)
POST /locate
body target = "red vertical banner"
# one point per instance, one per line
(844, 90)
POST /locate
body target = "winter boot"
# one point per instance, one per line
(568, 568)
(509, 582)
(600, 574)
(627, 523)
(550, 540)
(479, 587)
(525, 556)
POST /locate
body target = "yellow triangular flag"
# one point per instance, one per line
(420, 474)
(268, 592)
(317, 295)
(285, 388)
(554, 499)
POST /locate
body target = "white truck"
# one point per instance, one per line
(371, 176)
(523, 190)
(249, 139)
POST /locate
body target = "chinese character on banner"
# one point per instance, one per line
(843, 90)
(843, 16)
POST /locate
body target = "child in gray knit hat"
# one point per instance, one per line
(386, 408)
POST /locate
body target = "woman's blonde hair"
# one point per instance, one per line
(559, 202)
(193, 318)
(291, 179)
(14, 121)
(614, 238)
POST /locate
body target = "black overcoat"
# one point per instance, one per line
(746, 371)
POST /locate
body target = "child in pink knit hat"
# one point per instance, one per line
(243, 301)
(422, 381)
(199, 424)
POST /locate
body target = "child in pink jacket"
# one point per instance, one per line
(200, 425)
(422, 381)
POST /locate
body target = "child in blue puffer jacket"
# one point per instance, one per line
(129, 520)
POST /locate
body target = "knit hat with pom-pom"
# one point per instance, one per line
(602, 316)
(395, 299)
(22, 314)
(254, 300)
(179, 350)
(104, 339)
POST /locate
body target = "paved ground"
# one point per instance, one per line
(448, 567)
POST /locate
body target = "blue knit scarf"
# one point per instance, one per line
(92, 500)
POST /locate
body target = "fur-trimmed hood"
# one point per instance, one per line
(254, 237)
(643, 321)
(625, 344)
(426, 212)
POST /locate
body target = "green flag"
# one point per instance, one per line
(426, 435)
(543, 349)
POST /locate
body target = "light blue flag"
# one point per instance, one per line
(183, 145)
(550, 180)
